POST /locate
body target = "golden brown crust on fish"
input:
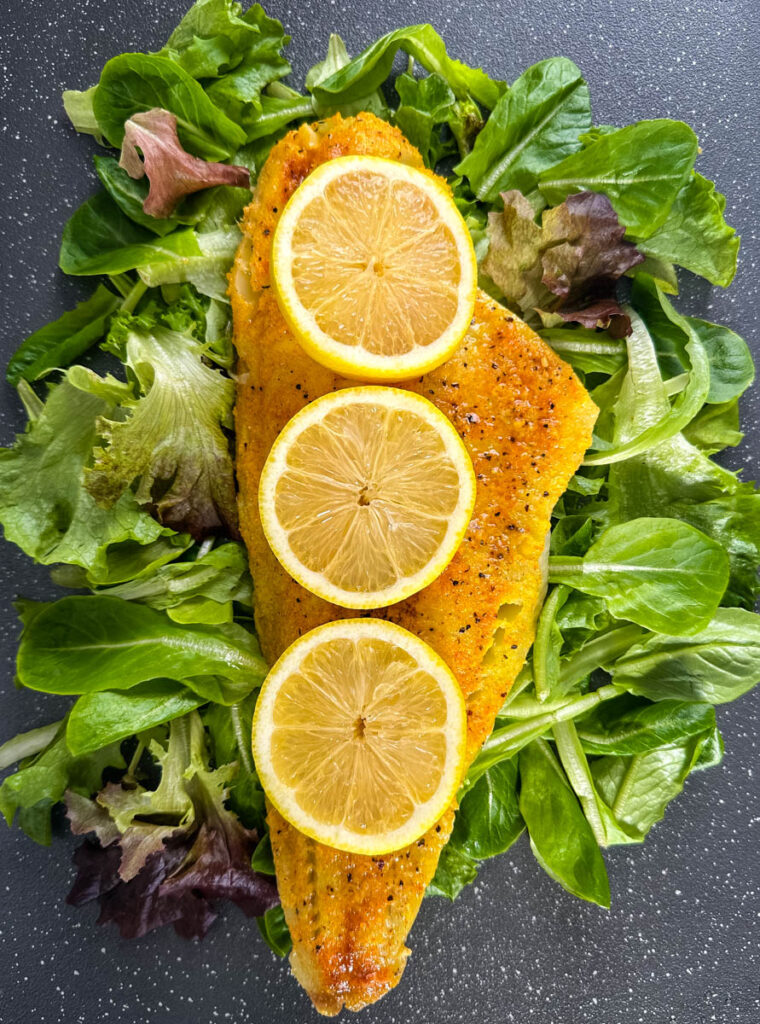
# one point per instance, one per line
(526, 421)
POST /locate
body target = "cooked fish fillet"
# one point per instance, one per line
(526, 421)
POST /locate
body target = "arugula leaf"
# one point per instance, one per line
(640, 169)
(629, 725)
(718, 664)
(560, 837)
(367, 72)
(44, 507)
(695, 234)
(274, 930)
(40, 782)
(87, 644)
(660, 573)
(135, 82)
(638, 789)
(61, 342)
(98, 719)
(532, 127)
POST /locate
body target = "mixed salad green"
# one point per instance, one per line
(123, 481)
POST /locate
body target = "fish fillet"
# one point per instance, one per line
(526, 421)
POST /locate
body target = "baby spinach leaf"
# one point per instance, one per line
(107, 716)
(660, 573)
(61, 342)
(695, 234)
(532, 127)
(638, 789)
(367, 72)
(456, 869)
(134, 82)
(87, 644)
(44, 507)
(641, 169)
(488, 820)
(732, 369)
(630, 725)
(100, 239)
(715, 427)
(274, 929)
(262, 860)
(716, 665)
(560, 836)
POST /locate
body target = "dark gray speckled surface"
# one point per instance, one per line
(681, 941)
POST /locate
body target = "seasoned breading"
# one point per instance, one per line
(526, 421)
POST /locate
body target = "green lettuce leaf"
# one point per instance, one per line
(170, 438)
(203, 590)
(695, 234)
(532, 127)
(660, 573)
(641, 170)
(40, 782)
(44, 506)
(366, 73)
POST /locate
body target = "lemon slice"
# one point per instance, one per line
(374, 269)
(366, 495)
(359, 736)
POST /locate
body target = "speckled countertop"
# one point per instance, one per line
(681, 941)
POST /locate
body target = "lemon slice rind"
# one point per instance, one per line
(282, 795)
(355, 362)
(276, 464)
